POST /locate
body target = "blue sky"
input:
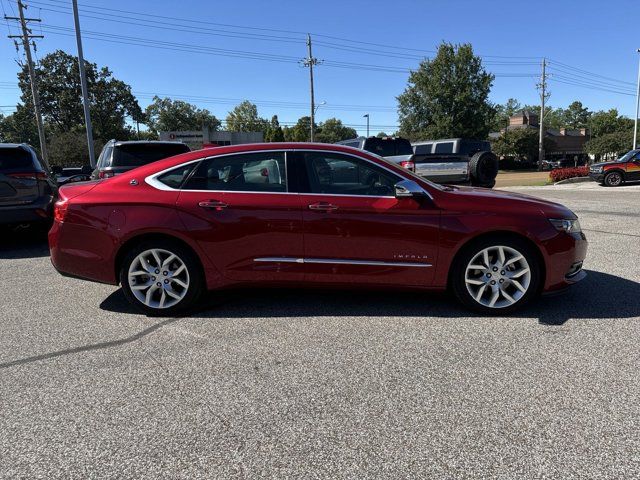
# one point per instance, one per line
(591, 46)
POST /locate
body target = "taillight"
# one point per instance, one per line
(105, 174)
(29, 175)
(408, 165)
(60, 210)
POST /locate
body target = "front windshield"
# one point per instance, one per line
(627, 156)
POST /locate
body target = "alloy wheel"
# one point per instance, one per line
(498, 276)
(158, 278)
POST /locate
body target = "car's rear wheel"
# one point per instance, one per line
(496, 275)
(161, 277)
(613, 179)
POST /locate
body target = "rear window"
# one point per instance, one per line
(388, 147)
(137, 154)
(445, 147)
(15, 158)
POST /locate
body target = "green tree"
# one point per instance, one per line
(610, 144)
(165, 115)
(503, 112)
(111, 100)
(332, 131)
(244, 118)
(447, 96)
(274, 132)
(610, 121)
(301, 131)
(519, 143)
(19, 127)
(382, 135)
(576, 116)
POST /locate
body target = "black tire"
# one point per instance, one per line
(458, 270)
(483, 168)
(193, 268)
(613, 179)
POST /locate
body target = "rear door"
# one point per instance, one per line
(18, 177)
(241, 212)
(356, 231)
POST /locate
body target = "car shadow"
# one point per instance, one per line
(30, 242)
(597, 296)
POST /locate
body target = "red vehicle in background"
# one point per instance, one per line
(614, 174)
(309, 214)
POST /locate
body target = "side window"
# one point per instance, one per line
(248, 172)
(105, 156)
(174, 178)
(423, 149)
(336, 174)
(445, 147)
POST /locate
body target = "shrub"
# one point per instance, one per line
(564, 173)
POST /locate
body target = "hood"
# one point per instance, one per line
(602, 164)
(502, 201)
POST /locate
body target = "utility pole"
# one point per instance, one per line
(543, 95)
(367, 117)
(26, 37)
(635, 126)
(85, 90)
(310, 61)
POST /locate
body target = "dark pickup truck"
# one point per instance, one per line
(456, 160)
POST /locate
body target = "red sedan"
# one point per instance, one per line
(312, 214)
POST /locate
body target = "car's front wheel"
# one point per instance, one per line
(613, 179)
(161, 277)
(496, 275)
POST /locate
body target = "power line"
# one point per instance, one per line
(591, 74)
(172, 21)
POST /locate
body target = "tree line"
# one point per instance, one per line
(447, 96)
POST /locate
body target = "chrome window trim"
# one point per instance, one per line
(338, 261)
(153, 181)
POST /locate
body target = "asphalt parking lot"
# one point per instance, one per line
(325, 384)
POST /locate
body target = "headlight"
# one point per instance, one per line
(566, 225)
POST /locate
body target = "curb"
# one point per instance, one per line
(573, 180)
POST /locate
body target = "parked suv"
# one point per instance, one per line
(613, 174)
(27, 187)
(395, 149)
(456, 160)
(119, 157)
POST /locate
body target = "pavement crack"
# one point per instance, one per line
(611, 233)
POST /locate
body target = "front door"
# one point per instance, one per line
(633, 169)
(241, 213)
(355, 230)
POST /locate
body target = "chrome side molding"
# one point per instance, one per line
(337, 261)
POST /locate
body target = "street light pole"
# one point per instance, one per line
(83, 84)
(635, 126)
(367, 117)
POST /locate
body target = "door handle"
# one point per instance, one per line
(212, 204)
(323, 207)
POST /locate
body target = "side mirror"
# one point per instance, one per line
(86, 170)
(410, 189)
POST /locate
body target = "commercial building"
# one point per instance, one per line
(197, 139)
(568, 145)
